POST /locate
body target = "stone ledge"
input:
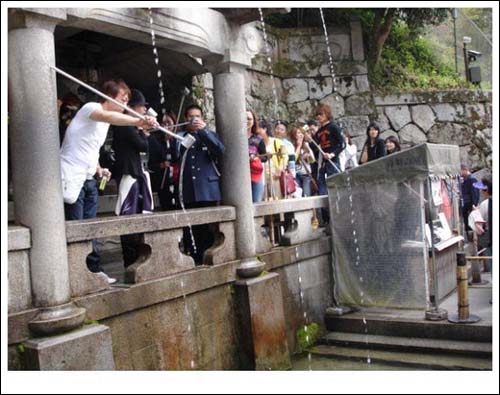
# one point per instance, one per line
(452, 96)
(289, 205)
(121, 300)
(88, 229)
(19, 238)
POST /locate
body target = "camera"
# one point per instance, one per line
(193, 119)
(473, 55)
(151, 112)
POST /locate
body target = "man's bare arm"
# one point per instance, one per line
(119, 119)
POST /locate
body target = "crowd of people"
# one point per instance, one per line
(286, 160)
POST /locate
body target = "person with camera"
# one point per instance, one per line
(134, 185)
(200, 181)
(80, 156)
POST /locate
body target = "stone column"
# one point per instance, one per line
(34, 139)
(230, 117)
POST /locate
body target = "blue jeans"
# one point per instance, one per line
(258, 191)
(86, 207)
(326, 170)
(304, 181)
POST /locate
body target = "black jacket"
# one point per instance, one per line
(330, 139)
(128, 143)
(470, 195)
(377, 151)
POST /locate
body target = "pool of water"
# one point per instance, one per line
(318, 363)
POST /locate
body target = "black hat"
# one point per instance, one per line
(137, 98)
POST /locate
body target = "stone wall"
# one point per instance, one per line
(462, 118)
(183, 315)
(302, 80)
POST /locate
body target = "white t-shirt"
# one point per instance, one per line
(476, 221)
(348, 154)
(80, 150)
(83, 140)
(483, 209)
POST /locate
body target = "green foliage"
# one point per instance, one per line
(409, 62)
(307, 336)
(90, 322)
(20, 348)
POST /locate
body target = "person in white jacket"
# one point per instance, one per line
(348, 157)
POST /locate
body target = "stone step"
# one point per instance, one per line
(407, 344)
(393, 323)
(404, 359)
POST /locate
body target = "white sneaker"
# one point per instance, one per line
(110, 280)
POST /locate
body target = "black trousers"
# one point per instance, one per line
(203, 235)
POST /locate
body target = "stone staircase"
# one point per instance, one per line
(404, 339)
(416, 353)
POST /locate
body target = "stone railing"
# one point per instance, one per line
(166, 273)
(19, 269)
(297, 216)
(162, 233)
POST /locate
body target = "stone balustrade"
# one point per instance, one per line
(19, 270)
(162, 233)
(299, 217)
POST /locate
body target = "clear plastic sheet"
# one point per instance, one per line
(380, 255)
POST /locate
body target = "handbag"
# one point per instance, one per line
(364, 155)
(287, 183)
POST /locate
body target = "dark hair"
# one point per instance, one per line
(112, 87)
(192, 107)
(263, 124)
(325, 109)
(171, 115)
(372, 125)
(280, 122)
(395, 141)
(487, 182)
(312, 122)
(254, 126)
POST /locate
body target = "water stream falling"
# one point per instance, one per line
(187, 312)
(330, 58)
(270, 63)
(301, 294)
(276, 117)
(349, 186)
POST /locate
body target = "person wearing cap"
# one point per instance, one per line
(134, 185)
(470, 195)
(79, 156)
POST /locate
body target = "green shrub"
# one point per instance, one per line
(307, 336)
(409, 62)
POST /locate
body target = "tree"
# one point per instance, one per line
(377, 22)
(384, 18)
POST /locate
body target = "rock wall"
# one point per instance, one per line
(462, 118)
(302, 79)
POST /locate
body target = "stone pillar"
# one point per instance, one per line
(358, 52)
(34, 139)
(262, 323)
(230, 117)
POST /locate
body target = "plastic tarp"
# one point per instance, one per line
(420, 162)
(377, 218)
